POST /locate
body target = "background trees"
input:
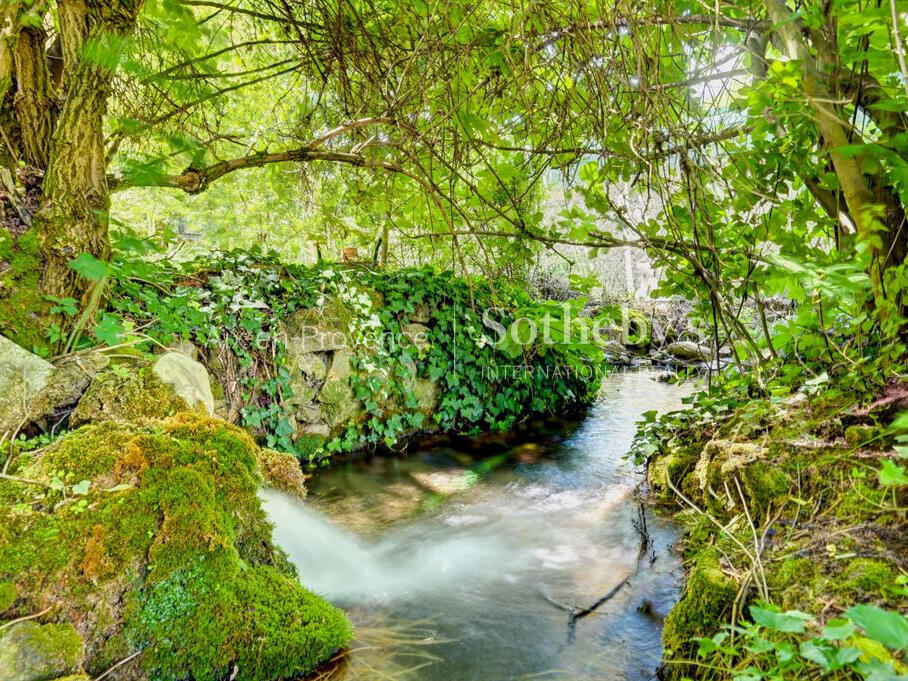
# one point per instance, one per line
(766, 139)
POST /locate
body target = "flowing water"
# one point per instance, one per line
(465, 559)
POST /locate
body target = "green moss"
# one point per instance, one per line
(126, 395)
(702, 611)
(867, 579)
(856, 436)
(8, 593)
(34, 652)
(307, 446)
(203, 621)
(172, 533)
(21, 303)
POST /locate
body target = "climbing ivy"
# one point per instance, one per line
(488, 377)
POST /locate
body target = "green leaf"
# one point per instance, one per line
(790, 622)
(884, 626)
(890, 474)
(81, 487)
(109, 330)
(838, 629)
(89, 267)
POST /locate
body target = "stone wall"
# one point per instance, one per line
(321, 357)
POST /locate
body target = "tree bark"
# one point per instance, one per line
(73, 217)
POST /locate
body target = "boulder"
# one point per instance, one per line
(303, 393)
(173, 556)
(121, 394)
(64, 388)
(39, 652)
(22, 376)
(689, 351)
(188, 378)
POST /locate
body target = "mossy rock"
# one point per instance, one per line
(671, 466)
(167, 551)
(38, 652)
(282, 471)
(702, 611)
(122, 394)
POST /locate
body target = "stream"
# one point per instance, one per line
(473, 559)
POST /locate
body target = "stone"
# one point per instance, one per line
(318, 329)
(615, 352)
(689, 351)
(312, 365)
(426, 392)
(183, 346)
(22, 376)
(123, 394)
(39, 652)
(445, 482)
(303, 393)
(66, 385)
(188, 378)
(420, 314)
(338, 404)
(418, 334)
(320, 429)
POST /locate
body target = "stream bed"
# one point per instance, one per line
(474, 559)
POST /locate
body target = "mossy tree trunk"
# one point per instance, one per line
(59, 131)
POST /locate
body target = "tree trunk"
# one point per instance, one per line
(73, 217)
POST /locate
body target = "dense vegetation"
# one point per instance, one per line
(756, 150)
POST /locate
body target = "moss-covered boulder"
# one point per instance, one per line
(122, 394)
(703, 609)
(150, 537)
(38, 652)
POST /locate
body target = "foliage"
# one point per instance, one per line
(236, 301)
(867, 642)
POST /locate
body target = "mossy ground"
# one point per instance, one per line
(167, 551)
(802, 478)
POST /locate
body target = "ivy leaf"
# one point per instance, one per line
(884, 626)
(890, 474)
(89, 267)
(790, 622)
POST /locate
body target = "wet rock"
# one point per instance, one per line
(303, 393)
(689, 351)
(188, 378)
(616, 353)
(39, 652)
(22, 376)
(445, 482)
